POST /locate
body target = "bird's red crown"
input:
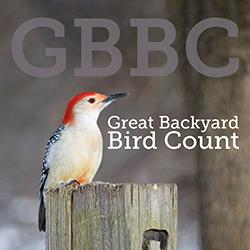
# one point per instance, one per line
(69, 114)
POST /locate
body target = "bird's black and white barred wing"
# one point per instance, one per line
(44, 174)
(45, 166)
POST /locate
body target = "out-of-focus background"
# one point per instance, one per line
(31, 108)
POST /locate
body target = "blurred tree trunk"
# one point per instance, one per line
(223, 175)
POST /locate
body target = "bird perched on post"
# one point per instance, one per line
(74, 152)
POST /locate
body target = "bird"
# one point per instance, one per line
(74, 151)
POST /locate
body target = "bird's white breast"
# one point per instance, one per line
(77, 153)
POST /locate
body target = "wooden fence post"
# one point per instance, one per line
(104, 216)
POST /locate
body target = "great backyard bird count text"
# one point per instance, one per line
(147, 133)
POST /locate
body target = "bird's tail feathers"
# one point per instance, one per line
(42, 214)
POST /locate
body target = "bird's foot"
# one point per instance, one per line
(72, 182)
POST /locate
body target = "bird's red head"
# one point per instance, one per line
(87, 103)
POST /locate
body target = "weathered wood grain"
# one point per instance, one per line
(104, 216)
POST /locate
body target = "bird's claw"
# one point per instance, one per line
(72, 182)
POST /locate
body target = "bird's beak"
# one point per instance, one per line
(114, 97)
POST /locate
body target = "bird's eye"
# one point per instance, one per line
(91, 100)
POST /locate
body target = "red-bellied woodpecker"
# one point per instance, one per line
(74, 152)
